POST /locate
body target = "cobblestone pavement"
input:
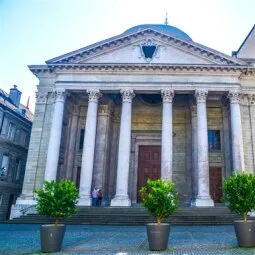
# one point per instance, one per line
(123, 240)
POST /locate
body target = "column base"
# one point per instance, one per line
(202, 202)
(121, 201)
(86, 201)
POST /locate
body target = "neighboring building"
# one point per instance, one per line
(15, 129)
(147, 103)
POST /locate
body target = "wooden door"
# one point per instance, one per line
(148, 165)
(215, 183)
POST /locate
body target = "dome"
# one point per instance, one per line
(166, 29)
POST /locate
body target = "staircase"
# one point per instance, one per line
(138, 216)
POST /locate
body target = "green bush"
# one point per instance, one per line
(160, 198)
(239, 193)
(57, 200)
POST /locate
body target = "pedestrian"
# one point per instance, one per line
(94, 196)
(99, 197)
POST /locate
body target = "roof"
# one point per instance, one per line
(167, 29)
(6, 101)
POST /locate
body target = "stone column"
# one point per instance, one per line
(71, 147)
(27, 195)
(236, 131)
(203, 193)
(89, 148)
(55, 136)
(121, 197)
(167, 135)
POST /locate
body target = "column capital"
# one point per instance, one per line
(167, 95)
(127, 95)
(94, 95)
(234, 96)
(201, 95)
(251, 99)
(59, 94)
(41, 97)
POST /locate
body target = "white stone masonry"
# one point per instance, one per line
(167, 135)
(89, 148)
(203, 197)
(121, 197)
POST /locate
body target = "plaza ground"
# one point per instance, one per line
(123, 240)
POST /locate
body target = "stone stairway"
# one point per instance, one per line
(138, 216)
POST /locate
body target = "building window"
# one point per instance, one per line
(18, 169)
(213, 140)
(4, 166)
(1, 199)
(10, 132)
(23, 137)
(81, 139)
(17, 136)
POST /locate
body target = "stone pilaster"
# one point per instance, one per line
(121, 197)
(27, 195)
(167, 135)
(236, 131)
(102, 149)
(203, 194)
(55, 136)
(226, 140)
(251, 99)
(193, 109)
(89, 148)
(72, 139)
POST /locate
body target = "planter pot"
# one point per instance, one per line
(158, 236)
(52, 237)
(245, 233)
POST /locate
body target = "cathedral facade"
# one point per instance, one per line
(148, 103)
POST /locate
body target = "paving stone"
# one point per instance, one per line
(123, 240)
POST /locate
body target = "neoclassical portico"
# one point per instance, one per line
(149, 103)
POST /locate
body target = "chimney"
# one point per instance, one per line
(15, 95)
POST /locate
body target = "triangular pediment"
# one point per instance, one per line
(247, 49)
(147, 46)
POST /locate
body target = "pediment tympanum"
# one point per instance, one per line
(148, 46)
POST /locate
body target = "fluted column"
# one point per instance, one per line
(167, 135)
(89, 148)
(121, 198)
(55, 136)
(203, 193)
(236, 131)
(72, 139)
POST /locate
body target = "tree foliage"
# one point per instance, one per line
(160, 198)
(57, 200)
(239, 193)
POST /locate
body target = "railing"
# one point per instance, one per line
(24, 211)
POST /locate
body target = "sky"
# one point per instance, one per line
(34, 31)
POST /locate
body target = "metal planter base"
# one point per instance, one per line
(52, 237)
(245, 233)
(158, 236)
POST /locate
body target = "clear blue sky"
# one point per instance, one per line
(33, 31)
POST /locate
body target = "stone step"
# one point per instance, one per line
(138, 216)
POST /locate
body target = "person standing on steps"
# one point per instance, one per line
(99, 197)
(94, 196)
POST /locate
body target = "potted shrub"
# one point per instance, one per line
(239, 196)
(160, 199)
(57, 200)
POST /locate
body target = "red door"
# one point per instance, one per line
(148, 165)
(215, 184)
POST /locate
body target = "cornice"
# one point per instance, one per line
(76, 56)
(115, 66)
